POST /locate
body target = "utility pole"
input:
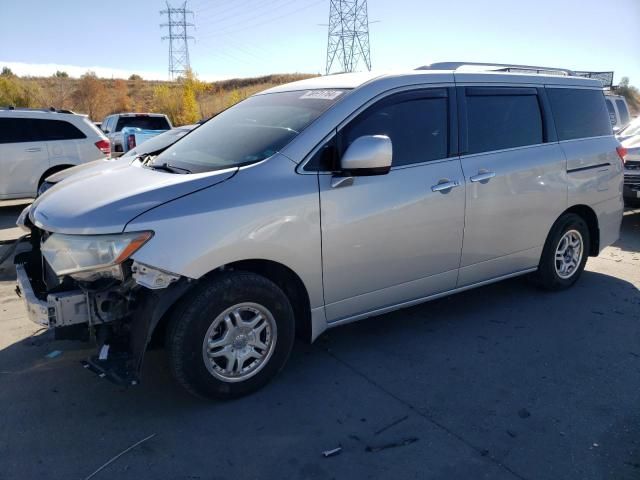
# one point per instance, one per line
(348, 39)
(178, 39)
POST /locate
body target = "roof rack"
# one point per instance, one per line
(499, 67)
(50, 109)
(605, 77)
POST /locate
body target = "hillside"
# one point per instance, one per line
(185, 101)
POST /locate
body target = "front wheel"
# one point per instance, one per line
(565, 253)
(230, 336)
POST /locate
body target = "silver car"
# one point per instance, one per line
(319, 203)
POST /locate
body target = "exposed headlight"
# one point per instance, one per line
(70, 254)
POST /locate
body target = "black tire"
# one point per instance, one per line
(193, 316)
(547, 275)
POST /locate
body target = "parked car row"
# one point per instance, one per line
(319, 203)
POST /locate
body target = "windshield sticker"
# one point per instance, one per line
(322, 94)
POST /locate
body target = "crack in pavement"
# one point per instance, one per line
(482, 452)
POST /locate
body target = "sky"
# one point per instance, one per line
(240, 38)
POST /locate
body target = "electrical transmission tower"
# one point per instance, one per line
(348, 41)
(178, 39)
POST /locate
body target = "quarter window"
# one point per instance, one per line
(416, 123)
(579, 113)
(57, 130)
(503, 118)
(624, 113)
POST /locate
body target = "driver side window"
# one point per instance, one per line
(416, 122)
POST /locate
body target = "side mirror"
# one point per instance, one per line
(368, 155)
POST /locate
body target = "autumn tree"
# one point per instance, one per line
(122, 100)
(90, 95)
(631, 93)
(19, 92)
(6, 72)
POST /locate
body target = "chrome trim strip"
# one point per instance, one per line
(410, 303)
(591, 167)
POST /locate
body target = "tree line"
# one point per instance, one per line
(185, 101)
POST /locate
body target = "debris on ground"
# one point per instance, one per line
(54, 354)
(332, 453)
(119, 455)
(511, 433)
(402, 443)
(392, 424)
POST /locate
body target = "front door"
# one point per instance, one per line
(390, 239)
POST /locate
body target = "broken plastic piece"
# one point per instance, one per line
(104, 352)
(331, 453)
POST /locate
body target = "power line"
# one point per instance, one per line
(268, 20)
(348, 37)
(178, 39)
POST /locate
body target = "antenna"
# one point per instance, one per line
(178, 39)
(348, 39)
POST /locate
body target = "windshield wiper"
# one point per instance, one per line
(166, 167)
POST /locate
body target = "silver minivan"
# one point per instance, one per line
(318, 203)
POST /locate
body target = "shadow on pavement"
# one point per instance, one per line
(630, 232)
(501, 375)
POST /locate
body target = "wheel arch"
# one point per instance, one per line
(589, 216)
(289, 282)
(284, 277)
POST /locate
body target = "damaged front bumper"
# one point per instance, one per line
(119, 316)
(58, 310)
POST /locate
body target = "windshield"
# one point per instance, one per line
(160, 141)
(250, 131)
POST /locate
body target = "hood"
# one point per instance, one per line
(85, 167)
(105, 197)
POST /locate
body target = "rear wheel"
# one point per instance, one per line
(565, 253)
(230, 336)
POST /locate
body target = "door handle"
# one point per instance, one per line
(33, 149)
(483, 177)
(444, 185)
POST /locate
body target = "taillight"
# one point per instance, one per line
(131, 142)
(622, 153)
(104, 146)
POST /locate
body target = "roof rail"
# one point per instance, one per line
(499, 67)
(50, 109)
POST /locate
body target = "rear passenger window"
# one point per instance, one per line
(415, 123)
(16, 130)
(622, 110)
(50, 130)
(502, 118)
(579, 113)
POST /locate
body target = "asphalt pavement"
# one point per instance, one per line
(502, 382)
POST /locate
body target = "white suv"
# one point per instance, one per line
(37, 143)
